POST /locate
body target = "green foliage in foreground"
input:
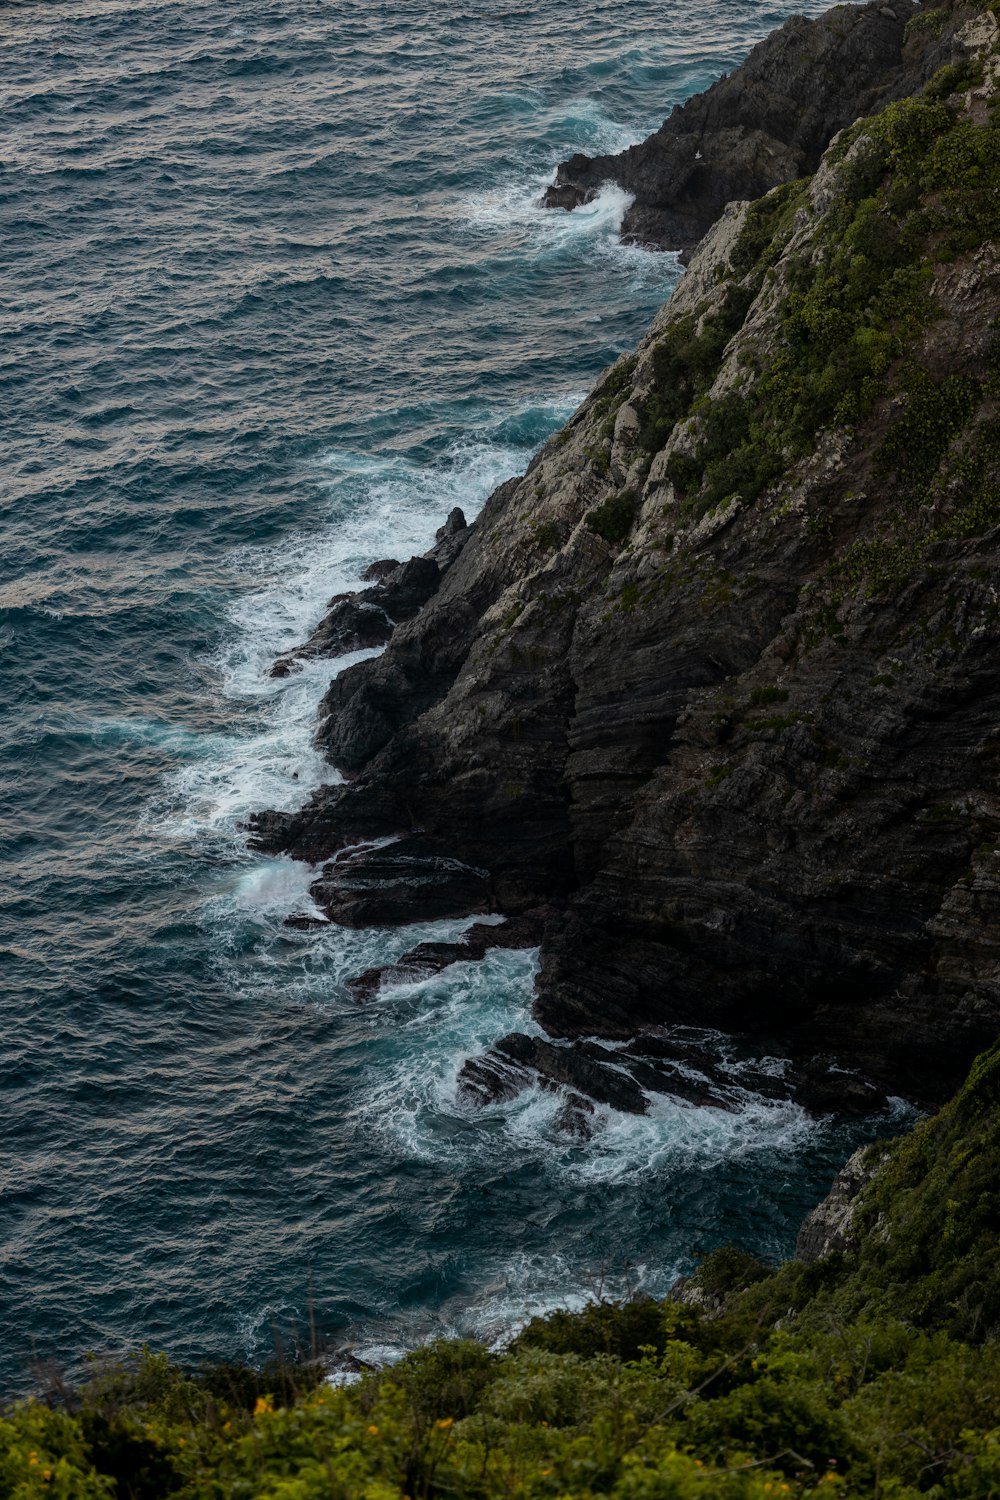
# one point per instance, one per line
(874, 1373)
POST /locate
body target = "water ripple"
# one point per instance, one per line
(277, 295)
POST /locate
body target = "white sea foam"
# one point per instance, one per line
(404, 1049)
(377, 506)
(255, 1330)
(585, 125)
(515, 209)
(527, 1286)
(438, 1023)
(514, 214)
(278, 887)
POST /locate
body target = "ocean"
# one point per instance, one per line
(277, 294)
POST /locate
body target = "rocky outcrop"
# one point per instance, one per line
(828, 1227)
(717, 679)
(427, 959)
(767, 123)
(673, 1066)
(365, 618)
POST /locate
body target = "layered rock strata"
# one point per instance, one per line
(717, 681)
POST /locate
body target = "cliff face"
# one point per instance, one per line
(711, 694)
(766, 124)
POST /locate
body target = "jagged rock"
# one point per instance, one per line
(450, 538)
(687, 1291)
(747, 753)
(491, 1079)
(827, 1227)
(518, 1060)
(408, 589)
(420, 963)
(355, 622)
(378, 572)
(568, 195)
(766, 123)
(360, 620)
(410, 880)
(577, 1117)
(627, 1077)
(430, 958)
(825, 1090)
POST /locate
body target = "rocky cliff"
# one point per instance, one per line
(708, 699)
(766, 124)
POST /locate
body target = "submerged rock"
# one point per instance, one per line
(430, 958)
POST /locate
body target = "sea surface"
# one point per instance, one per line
(276, 294)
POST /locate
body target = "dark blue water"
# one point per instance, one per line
(276, 295)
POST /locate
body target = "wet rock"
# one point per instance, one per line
(766, 123)
(491, 1079)
(366, 618)
(817, 1084)
(410, 880)
(577, 1117)
(378, 572)
(518, 1060)
(824, 1089)
(420, 963)
(568, 195)
(355, 622)
(430, 958)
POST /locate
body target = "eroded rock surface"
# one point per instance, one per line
(767, 123)
(827, 1228)
(718, 679)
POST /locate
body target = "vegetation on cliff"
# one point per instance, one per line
(786, 496)
(719, 673)
(873, 1372)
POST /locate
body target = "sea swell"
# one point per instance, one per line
(280, 295)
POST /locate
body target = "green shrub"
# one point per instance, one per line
(614, 518)
(684, 472)
(769, 695)
(445, 1379)
(619, 1329)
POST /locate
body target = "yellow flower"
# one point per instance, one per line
(264, 1404)
(46, 1473)
(373, 1430)
(181, 1442)
(444, 1423)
